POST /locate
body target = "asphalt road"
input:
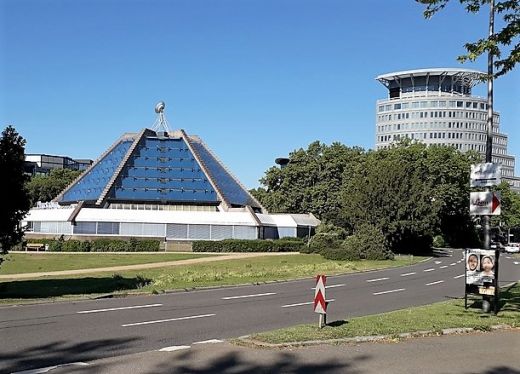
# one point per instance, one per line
(35, 336)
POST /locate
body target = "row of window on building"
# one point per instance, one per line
(482, 116)
(177, 208)
(431, 125)
(434, 104)
(162, 230)
(442, 135)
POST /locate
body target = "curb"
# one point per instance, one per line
(248, 341)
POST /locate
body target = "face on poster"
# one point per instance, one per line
(480, 266)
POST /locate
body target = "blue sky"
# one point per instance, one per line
(255, 79)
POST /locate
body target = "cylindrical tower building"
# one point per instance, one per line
(435, 106)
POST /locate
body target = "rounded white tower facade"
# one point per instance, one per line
(435, 106)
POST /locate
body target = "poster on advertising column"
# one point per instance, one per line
(480, 271)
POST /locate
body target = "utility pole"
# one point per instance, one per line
(489, 127)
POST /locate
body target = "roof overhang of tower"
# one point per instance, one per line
(466, 76)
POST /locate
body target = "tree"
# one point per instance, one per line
(15, 199)
(46, 187)
(311, 182)
(495, 44)
(510, 209)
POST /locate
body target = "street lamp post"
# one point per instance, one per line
(489, 127)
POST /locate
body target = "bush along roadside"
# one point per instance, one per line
(102, 245)
(235, 245)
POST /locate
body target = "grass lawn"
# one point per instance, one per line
(18, 263)
(240, 271)
(434, 317)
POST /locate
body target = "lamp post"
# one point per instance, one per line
(489, 127)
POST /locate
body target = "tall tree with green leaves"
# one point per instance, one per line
(15, 199)
(311, 182)
(46, 187)
(503, 45)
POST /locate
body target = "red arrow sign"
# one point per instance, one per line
(495, 203)
(320, 306)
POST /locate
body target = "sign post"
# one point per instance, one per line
(484, 203)
(485, 175)
(481, 274)
(320, 305)
(482, 264)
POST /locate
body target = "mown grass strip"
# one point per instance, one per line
(434, 317)
(230, 272)
(19, 263)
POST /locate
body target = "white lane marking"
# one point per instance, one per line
(121, 308)
(376, 280)
(407, 274)
(432, 283)
(438, 262)
(168, 320)
(508, 257)
(247, 296)
(426, 270)
(210, 341)
(174, 348)
(49, 368)
(331, 286)
(458, 276)
(516, 263)
(443, 267)
(391, 291)
(306, 303)
(453, 264)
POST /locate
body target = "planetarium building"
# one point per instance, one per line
(161, 184)
(436, 106)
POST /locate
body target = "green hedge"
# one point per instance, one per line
(103, 245)
(235, 245)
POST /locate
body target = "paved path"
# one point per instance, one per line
(484, 353)
(154, 265)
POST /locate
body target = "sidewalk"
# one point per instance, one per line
(154, 265)
(485, 353)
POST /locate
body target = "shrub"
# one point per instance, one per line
(104, 245)
(439, 242)
(238, 245)
(340, 254)
(323, 241)
(367, 243)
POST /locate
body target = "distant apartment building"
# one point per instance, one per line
(41, 164)
(435, 106)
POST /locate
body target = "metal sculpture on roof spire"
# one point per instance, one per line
(160, 124)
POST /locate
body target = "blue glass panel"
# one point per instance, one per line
(163, 170)
(91, 185)
(230, 188)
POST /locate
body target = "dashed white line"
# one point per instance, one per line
(438, 262)
(432, 283)
(516, 263)
(174, 348)
(331, 286)
(453, 264)
(443, 267)
(168, 320)
(248, 296)
(210, 341)
(458, 276)
(306, 303)
(120, 308)
(376, 280)
(390, 291)
(427, 270)
(407, 274)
